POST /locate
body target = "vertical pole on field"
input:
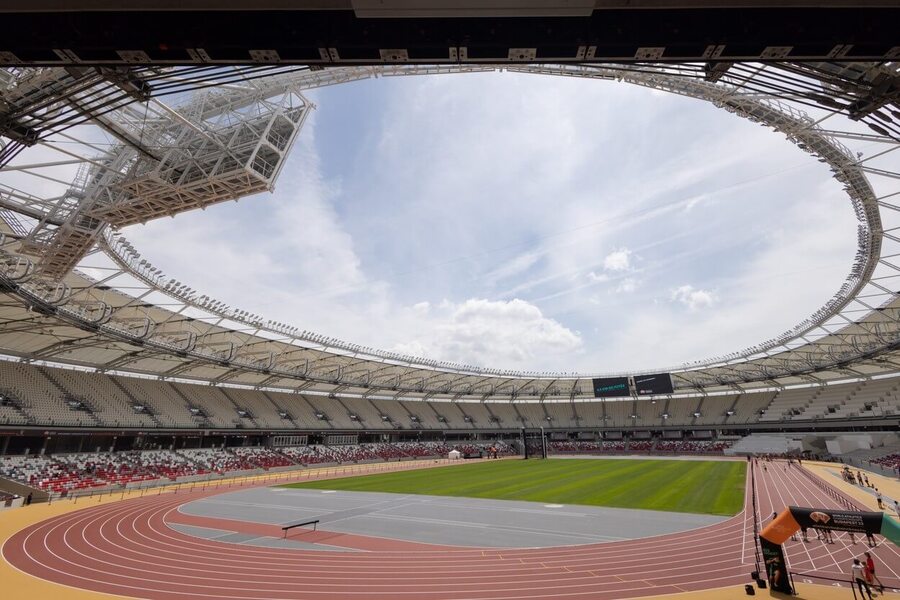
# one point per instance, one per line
(543, 444)
(524, 444)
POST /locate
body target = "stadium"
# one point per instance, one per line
(157, 442)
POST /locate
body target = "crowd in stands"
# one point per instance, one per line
(265, 458)
(419, 449)
(673, 446)
(64, 474)
(164, 463)
(48, 474)
(67, 473)
(106, 468)
(316, 455)
(576, 446)
(219, 460)
(891, 461)
(502, 448)
(311, 455)
(640, 446)
(692, 446)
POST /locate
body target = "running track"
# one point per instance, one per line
(127, 548)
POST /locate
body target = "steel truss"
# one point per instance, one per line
(229, 137)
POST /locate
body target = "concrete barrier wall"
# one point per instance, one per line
(284, 468)
(12, 504)
(91, 491)
(193, 478)
(244, 473)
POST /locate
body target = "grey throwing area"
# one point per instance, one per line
(250, 540)
(433, 519)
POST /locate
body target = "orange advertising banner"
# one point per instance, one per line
(781, 528)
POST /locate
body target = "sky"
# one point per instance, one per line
(525, 222)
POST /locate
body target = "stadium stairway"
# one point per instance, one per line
(763, 444)
(251, 418)
(134, 401)
(66, 393)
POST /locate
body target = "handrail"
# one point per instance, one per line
(835, 494)
(313, 522)
(756, 549)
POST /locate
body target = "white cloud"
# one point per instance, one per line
(598, 277)
(627, 286)
(511, 334)
(693, 298)
(692, 202)
(516, 266)
(618, 260)
(767, 296)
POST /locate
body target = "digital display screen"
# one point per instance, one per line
(611, 387)
(650, 385)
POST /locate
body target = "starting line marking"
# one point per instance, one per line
(553, 506)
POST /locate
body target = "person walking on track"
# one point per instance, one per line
(870, 569)
(859, 577)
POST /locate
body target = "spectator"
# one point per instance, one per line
(858, 574)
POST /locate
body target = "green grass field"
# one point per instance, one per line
(708, 487)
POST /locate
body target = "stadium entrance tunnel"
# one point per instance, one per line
(794, 518)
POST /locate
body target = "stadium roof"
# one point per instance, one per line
(354, 32)
(223, 133)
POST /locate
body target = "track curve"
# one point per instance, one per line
(127, 548)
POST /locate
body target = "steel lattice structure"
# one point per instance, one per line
(186, 138)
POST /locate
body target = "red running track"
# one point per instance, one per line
(780, 485)
(127, 548)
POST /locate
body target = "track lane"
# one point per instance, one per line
(779, 487)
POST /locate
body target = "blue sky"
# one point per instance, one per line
(517, 221)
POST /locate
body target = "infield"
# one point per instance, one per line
(704, 487)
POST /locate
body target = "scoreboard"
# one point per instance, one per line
(651, 385)
(611, 387)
